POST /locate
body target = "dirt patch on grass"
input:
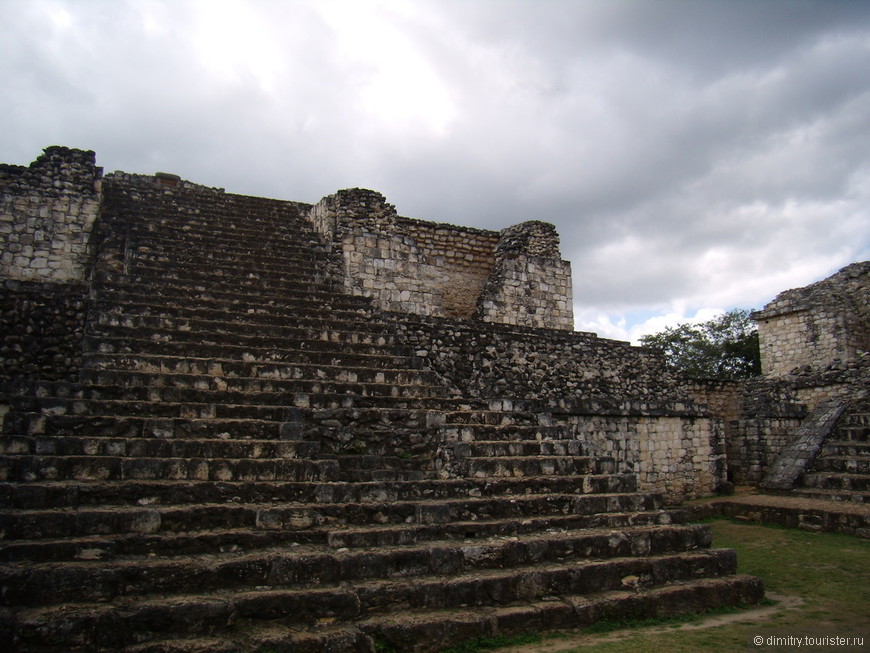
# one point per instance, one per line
(574, 640)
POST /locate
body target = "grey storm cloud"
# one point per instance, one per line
(695, 156)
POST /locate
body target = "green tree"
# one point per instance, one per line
(725, 347)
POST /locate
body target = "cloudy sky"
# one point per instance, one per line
(695, 155)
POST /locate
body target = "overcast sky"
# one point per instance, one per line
(695, 155)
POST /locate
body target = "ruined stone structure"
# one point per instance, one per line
(803, 426)
(239, 424)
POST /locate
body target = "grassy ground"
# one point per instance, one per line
(822, 580)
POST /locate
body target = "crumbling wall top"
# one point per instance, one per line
(57, 171)
(845, 289)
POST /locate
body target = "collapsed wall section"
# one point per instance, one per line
(431, 269)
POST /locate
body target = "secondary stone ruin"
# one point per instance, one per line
(236, 424)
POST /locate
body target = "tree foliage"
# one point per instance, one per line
(725, 347)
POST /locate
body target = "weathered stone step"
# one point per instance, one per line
(119, 338)
(837, 481)
(221, 223)
(131, 621)
(846, 448)
(212, 541)
(366, 333)
(285, 567)
(259, 354)
(61, 494)
(28, 468)
(205, 390)
(172, 283)
(236, 302)
(259, 273)
(430, 632)
(843, 464)
(154, 448)
(304, 250)
(856, 496)
(539, 465)
(327, 315)
(85, 521)
(507, 434)
(501, 448)
(853, 433)
(145, 427)
(238, 361)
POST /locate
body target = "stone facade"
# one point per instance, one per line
(47, 214)
(619, 401)
(823, 324)
(431, 269)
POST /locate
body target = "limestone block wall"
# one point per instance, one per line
(530, 285)
(802, 338)
(818, 325)
(432, 269)
(42, 327)
(679, 456)
(47, 215)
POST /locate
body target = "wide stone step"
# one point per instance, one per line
(837, 481)
(843, 464)
(86, 521)
(27, 468)
(501, 448)
(207, 390)
(60, 494)
(366, 333)
(230, 361)
(495, 437)
(126, 339)
(128, 622)
(269, 232)
(431, 631)
(47, 584)
(145, 427)
(846, 448)
(853, 432)
(231, 301)
(856, 496)
(214, 541)
(539, 465)
(326, 316)
(154, 448)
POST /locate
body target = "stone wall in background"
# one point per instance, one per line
(47, 215)
(818, 326)
(431, 269)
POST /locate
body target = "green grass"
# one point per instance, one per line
(493, 643)
(829, 571)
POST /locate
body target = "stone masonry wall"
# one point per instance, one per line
(619, 401)
(818, 325)
(47, 214)
(425, 268)
(530, 285)
(42, 327)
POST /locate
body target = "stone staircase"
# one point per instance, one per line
(253, 460)
(842, 469)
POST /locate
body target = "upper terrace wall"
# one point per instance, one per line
(815, 326)
(47, 214)
(424, 268)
